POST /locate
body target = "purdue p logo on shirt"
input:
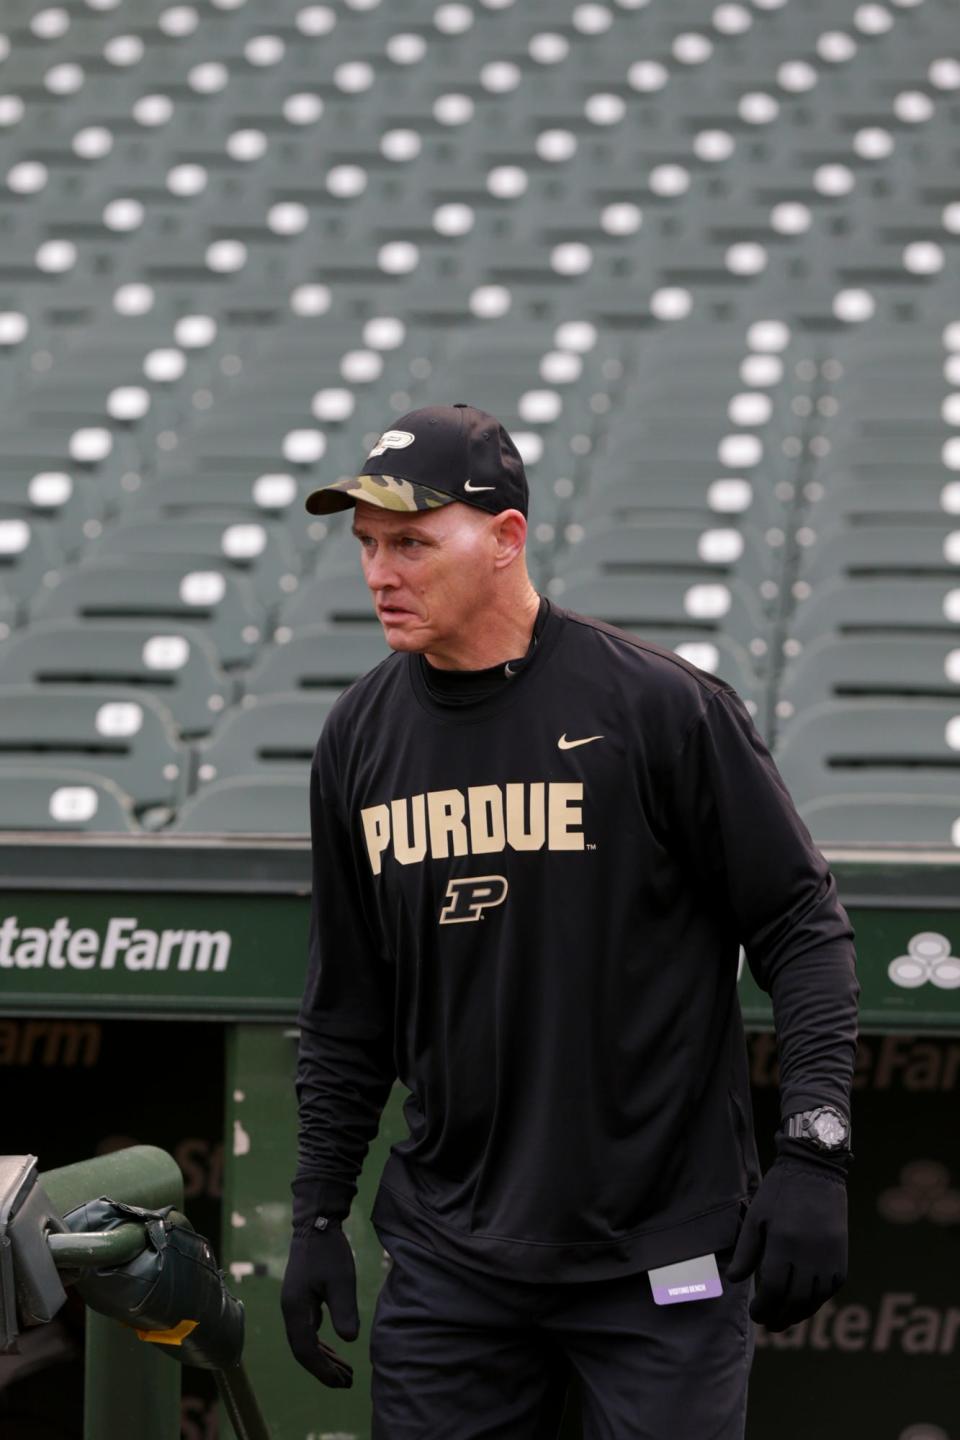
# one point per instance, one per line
(468, 897)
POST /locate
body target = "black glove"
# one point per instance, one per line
(320, 1269)
(794, 1235)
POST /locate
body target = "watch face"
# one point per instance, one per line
(828, 1128)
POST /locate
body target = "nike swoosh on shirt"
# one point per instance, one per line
(564, 744)
(475, 488)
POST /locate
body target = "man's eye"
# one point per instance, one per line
(409, 543)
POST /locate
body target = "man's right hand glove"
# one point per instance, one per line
(320, 1270)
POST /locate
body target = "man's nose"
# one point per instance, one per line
(380, 569)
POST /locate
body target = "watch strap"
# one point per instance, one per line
(834, 1163)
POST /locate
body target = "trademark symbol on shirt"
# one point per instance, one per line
(591, 845)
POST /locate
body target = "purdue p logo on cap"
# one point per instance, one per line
(392, 440)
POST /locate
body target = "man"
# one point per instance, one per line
(538, 844)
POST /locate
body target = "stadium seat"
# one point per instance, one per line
(682, 600)
(165, 591)
(254, 549)
(259, 805)
(834, 667)
(267, 734)
(658, 545)
(316, 658)
(240, 494)
(859, 747)
(176, 664)
(925, 551)
(56, 797)
(866, 605)
(331, 598)
(126, 735)
(876, 820)
(67, 505)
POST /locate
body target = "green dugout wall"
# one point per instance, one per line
(150, 989)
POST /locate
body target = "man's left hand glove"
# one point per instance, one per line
(795, 1236)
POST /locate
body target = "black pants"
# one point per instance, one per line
(459, 1355)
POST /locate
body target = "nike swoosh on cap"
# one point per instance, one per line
(475, 489)
(564, 744)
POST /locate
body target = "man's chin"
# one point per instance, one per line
(399, 637)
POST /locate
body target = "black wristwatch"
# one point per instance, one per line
(825, 1128)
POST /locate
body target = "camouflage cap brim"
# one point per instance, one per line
(390, 492)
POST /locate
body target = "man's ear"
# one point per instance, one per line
(510, 534)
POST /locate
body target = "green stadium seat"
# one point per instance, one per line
(93, 452)
(255, 550)
(834, 667)
(331, 598)
(55, 797)
(924, 550)
(219, 603)
(894, 820)
(860, 747)
(68, 505)
(265, 734)
(659, 545)
(126, 735)
(238, 495)
(316, 658)
(679, 600)
(632, 492)
(870, 606)
(176, 664)
(259, 805)
(909, 492)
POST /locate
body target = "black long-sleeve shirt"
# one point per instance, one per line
(529, 908)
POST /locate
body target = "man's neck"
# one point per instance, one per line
(505, 635)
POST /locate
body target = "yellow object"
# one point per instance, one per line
(176, 1336)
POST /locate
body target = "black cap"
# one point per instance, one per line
(431, 457)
